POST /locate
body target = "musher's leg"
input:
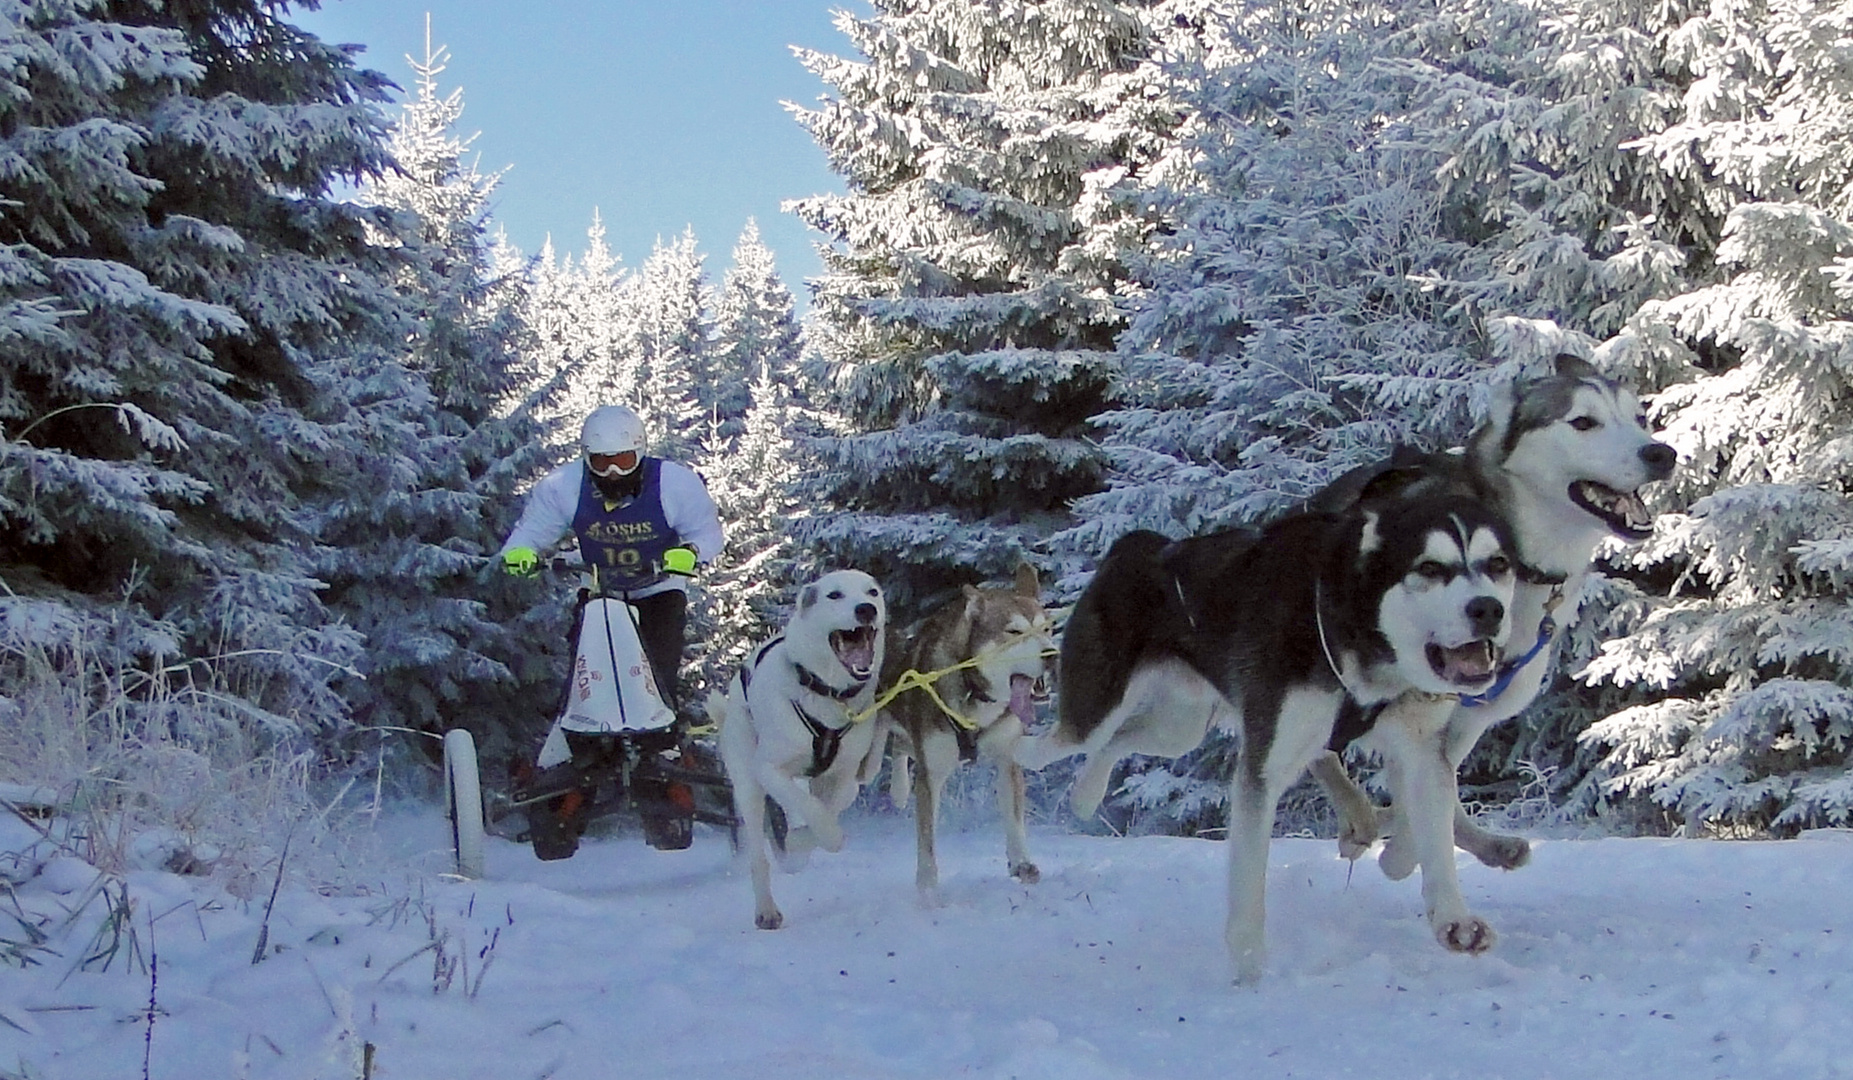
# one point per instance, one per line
(662, 620)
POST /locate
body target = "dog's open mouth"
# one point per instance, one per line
(855, 650)
(1025, 694)
(1471, 666)
(1622, 511)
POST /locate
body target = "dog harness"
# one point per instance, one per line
(826, 741)
(810, 681)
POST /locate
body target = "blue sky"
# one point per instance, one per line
(661, 114)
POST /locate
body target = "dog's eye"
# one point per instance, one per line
(1585, 423)
(1433, 570)
(836, 594)
(1498, 566)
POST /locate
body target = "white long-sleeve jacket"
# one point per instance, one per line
(687, 506)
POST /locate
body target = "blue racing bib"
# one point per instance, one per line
(625, 540)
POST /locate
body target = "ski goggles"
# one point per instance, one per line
(621, 463)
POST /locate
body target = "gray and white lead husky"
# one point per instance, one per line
(1561, 459)
(1397, 602)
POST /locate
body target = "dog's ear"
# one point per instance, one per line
(806, 597)
(1392, 481)
(1571, 366)
(1028, 585)
(1369, 539)
(1487, 445)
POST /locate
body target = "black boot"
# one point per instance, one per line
(554, 826)
(668, 811)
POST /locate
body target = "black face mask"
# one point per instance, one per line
(618, 488)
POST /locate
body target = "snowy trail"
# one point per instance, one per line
(1646, 958)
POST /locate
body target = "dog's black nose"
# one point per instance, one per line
(1484, 614)
(865, 613)
(1659, 459)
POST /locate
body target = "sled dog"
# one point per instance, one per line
(785, 723)
(979, 666)
(1561, 459)
(1395, 601)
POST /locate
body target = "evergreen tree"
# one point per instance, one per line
(756, 333)
(993, 154)
(665, 352)
(600, 291)
(577, 317)
(753, 479)
(1288, 330)
(445, 641)
(1738, 646)
(193, 325)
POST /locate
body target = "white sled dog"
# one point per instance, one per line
(993, 650)
(1561, 459)
(785, 723)
(1398, 601)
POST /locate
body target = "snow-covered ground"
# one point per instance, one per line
(1639, 958)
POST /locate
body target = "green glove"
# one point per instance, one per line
(521, 561)
(679, 560)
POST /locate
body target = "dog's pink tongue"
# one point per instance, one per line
(1022, 703)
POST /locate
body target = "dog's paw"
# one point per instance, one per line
(796, 854)
(1468, 934)
(1397, 860)
(1250, 966)
(769, 920)
(1356, 837)
(1502, 852)
(829, 836)
(1026, 872)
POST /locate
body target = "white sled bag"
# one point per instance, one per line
(613, 688)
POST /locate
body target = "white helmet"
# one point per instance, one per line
(613, 429)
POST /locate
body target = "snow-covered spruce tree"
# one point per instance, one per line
(756, 333)
(753, 478)
(993, 154)
(1533, 109)
(1288, 329)
(664, 354)
(448, 644)
(574, 313)
(189, 322)
(1739, 645)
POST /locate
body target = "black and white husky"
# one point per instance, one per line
(1561, 459)
(788, 723)
(1398, 602)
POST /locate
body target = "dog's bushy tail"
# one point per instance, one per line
(716, 708)
(1124, 610)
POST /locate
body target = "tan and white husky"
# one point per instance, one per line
(989, 657)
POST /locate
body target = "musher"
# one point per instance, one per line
(643, 524)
